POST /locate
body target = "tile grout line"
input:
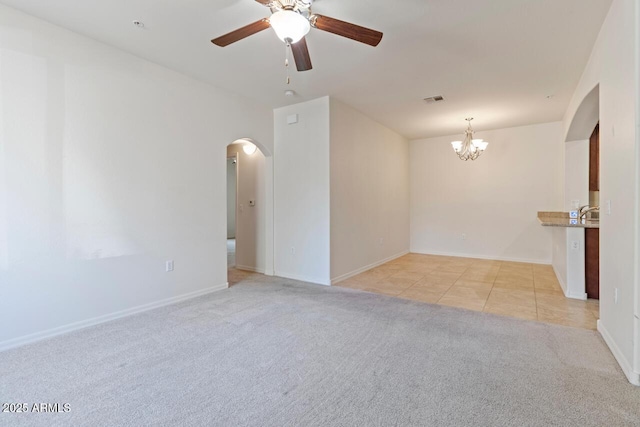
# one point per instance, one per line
(491, 291)
(535, 293)
(433, 268)
(452, 285)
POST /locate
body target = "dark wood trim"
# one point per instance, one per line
(594, 160)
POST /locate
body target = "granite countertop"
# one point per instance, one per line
(561, 219)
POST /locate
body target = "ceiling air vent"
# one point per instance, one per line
(433, 99)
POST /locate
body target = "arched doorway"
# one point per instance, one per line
(586, 117)
(582, 190)
(249, 210)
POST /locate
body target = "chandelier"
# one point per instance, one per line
(469, 149)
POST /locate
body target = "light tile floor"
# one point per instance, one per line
(526, 291)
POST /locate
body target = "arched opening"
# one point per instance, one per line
(582, 191)
(586, 117)
(583, 139)
(247, 209)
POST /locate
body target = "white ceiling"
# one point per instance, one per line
(495, 60)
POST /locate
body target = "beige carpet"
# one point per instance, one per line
(274, 352)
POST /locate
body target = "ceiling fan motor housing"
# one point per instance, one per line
(301, 4)
(303, 7)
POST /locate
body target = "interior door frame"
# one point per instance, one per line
(237, 159)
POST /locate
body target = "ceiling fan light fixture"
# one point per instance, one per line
(289, 25)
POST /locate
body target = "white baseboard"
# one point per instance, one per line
(50, 333)
(489, 257)
(366, 267)
(302, 278)
(247, 268)
(565, 289)
(563, 284)
(580, 296)
(633, 377)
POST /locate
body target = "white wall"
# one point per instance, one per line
(569, 263)
(251, 220)
(559, 255)
(109, 166)
(369, 192)
(341, 183)
(494, 200)
(571, 269)
(614, 66)
(301, 197)
(576, 173)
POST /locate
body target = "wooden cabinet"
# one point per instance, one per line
(592, 262)
(592, 235)
(594, 160)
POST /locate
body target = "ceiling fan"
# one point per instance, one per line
(292, 20)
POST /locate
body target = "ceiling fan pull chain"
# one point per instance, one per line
(286, 60)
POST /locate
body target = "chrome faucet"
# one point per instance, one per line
(582, 209)
(586, 209)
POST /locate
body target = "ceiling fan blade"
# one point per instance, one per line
(241, 33)
(301, 55)
(346, 29)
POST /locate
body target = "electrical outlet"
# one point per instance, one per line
(575, 245)
(464, 236)
(381, 241)
(615, 295)
(293, 250)
(169, 265)
(575, 204)
(608, 207)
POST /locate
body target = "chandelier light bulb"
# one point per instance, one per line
(289, 25)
